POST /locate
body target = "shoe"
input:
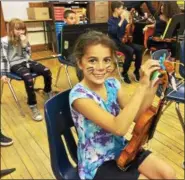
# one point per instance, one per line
(49, 95)
(36, 115)
(5, 141)
(136, 76)
(126, 79)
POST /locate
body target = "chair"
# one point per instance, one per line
(148, 33)
(174, 96)
(13, 76)
(59, 122)
(66, 63)
(63, 62)
(5, 172)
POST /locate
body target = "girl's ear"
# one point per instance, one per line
(79, 64)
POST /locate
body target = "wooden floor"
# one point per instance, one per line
(30, 153)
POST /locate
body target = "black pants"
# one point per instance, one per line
(110, 170)
(129, 50)
(25, 73)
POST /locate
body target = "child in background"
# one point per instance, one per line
(117, 29)
(15, 57)
(167, 10)
(70, 17)
(102, 115)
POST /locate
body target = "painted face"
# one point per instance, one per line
(71, 19)
(119, 10)
(19, 32)
(96, 64)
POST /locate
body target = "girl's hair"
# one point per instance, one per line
(171, 8)
(116, 4)
(87, 39)
(15, 24)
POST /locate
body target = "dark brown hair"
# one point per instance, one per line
(87, 39)
(116, 4)
(171, 8)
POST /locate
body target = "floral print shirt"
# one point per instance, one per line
(95, 145)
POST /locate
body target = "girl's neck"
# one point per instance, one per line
(92, 86)
(115, 15)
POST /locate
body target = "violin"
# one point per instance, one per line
(146, 124)
(128, 36)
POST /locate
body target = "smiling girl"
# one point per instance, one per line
(102, 114)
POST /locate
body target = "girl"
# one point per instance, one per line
(102, 115)
(167, 11)
(15, 57)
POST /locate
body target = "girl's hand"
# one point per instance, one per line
(146, 71)
(4, 78)
(24, 40)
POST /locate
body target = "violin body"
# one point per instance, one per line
(139, 138)
(146, 124)
(128, 37)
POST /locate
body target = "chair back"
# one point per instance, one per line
(159, 53)
(149, 32)
(59, 122)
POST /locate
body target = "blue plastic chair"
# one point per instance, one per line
(13, 76)
(66, 63)
(59, 122)
(174, 96)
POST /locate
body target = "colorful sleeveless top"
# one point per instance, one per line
(95, 145)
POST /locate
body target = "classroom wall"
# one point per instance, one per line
(17, 9)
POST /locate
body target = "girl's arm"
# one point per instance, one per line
(26, 48)
(120, 124)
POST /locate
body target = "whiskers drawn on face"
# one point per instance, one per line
(109, 69)
(90, 70)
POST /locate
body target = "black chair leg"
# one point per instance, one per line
(5, 172)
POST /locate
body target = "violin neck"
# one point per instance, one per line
(157, 116)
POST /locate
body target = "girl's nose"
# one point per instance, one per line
(100, 66)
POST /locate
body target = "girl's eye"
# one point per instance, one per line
(107, 60)
(92, 61)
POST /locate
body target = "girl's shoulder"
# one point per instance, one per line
(113, 83)
(80, 91)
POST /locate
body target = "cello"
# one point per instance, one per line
(146, 124)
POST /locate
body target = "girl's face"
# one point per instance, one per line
(18, 32)
(96, 64)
